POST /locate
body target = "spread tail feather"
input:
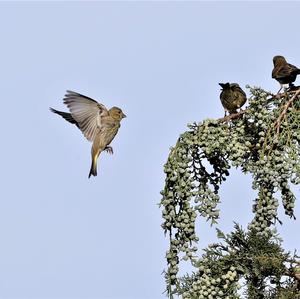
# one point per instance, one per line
(66, 116)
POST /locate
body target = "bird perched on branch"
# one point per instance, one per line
(232, 97)
(284, 72)
(97, 124)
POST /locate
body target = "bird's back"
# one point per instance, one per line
(233, 98)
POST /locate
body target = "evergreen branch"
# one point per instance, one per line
(284, 112)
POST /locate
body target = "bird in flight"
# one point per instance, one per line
(98, 124)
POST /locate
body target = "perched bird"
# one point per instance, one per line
(284, 72)
(97, 124)
(232, 97)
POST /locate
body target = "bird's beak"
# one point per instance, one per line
(124, 115)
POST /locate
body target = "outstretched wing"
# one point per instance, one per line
(86, 112)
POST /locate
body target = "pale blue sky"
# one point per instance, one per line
(64, 236)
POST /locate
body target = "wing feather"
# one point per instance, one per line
(286, 70)
(86, 112)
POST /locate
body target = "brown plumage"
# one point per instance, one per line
(97, 124)
(232, 97)
(283, 72)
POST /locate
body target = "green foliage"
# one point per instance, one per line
(248, 255)
(264, 141)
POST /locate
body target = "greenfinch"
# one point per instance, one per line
(98, 124)
(284, 72)
(232, 97)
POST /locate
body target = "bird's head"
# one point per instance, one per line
(279, 60)
(116, 113)
(225, 85)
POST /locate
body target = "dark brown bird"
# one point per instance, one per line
(285, 73)
(232, 97)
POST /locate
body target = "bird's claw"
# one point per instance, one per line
(109, 149)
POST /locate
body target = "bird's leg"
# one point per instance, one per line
(279, 89)
(109, 149)
(285, 88)
(292, 87)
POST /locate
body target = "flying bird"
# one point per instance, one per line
(98, 124)
(232, 97)
(285, 73)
